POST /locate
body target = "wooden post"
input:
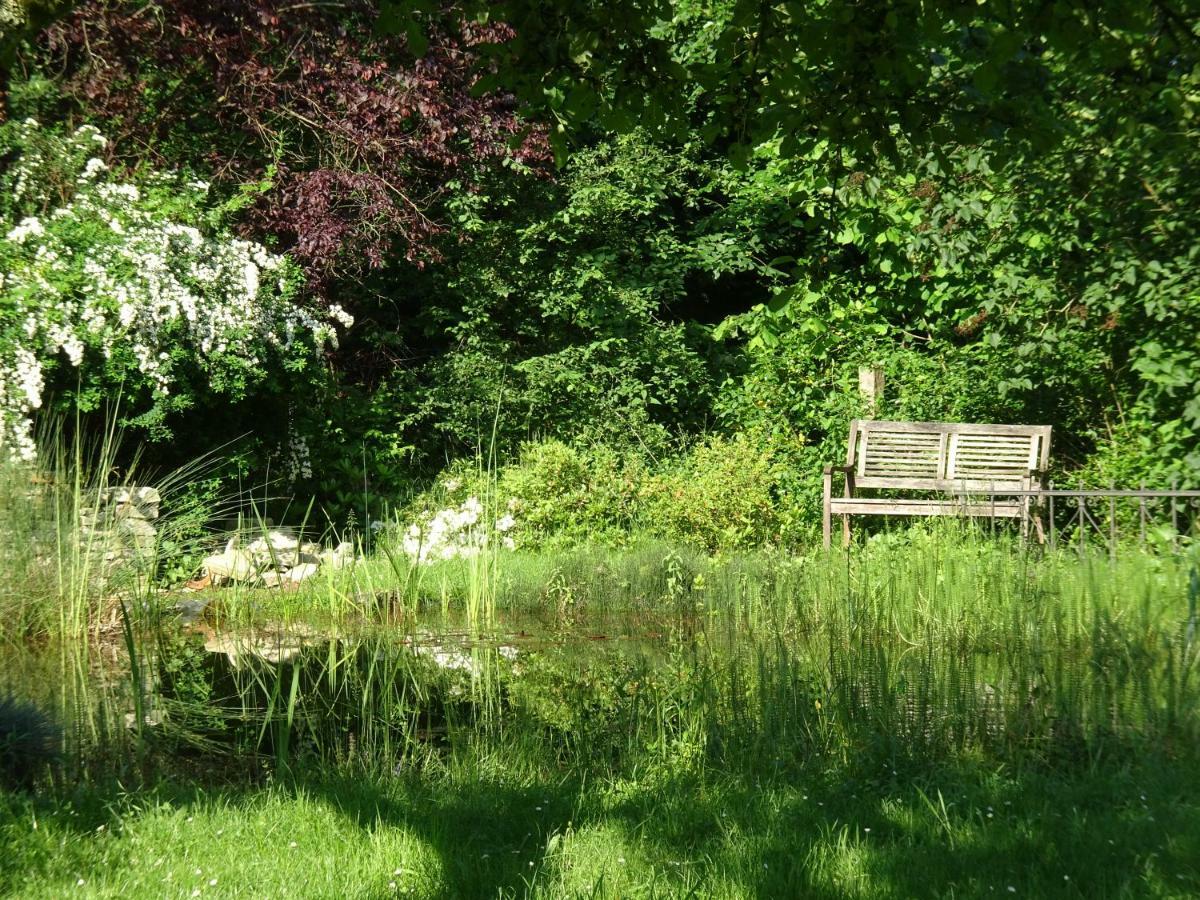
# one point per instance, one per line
(870, 385)
(826, 523)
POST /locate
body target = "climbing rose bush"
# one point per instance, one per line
(132, 284)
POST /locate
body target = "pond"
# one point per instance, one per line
(815, 678)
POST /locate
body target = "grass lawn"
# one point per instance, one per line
(481, 829)
(903, 722)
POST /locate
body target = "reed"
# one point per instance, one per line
(644, 696)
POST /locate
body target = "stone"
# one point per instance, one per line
(282, 541)
(339, 557)
(152, 719)
(119, 529)
(277, 549)
(132, 502)
(191, 609)
(233, 564)
(140, 533)
(301, 572)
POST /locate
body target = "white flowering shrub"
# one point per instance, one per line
(457, 532)
(134, 286)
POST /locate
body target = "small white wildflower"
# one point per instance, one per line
(340, 315)
(94, 167)
(30, 226)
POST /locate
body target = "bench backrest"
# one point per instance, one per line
(946, 456)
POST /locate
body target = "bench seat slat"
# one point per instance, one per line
(881, 507)
(941, 485)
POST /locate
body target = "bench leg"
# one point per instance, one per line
(827, 516)
(848, 492)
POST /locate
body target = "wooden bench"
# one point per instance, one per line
(958, 468)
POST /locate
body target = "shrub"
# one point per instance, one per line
(135, 287)
(566, 494)
(721, 495)
(28, 742)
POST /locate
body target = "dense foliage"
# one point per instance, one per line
(119, 281)
(359, 132)
(999, 209)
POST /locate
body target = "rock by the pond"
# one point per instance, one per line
(281, 550)
(152, 719)
(276, 559)
(233, 564)
(191, 609)
(303, 571)
(120, 527)
(339, 557)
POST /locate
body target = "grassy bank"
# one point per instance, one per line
(935, 714)
(490, 826)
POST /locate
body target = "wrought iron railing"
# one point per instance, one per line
(1089, 518)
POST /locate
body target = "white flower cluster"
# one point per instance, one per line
(297, 459)
(456, 532)
(110, 278)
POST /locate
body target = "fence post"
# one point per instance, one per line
(1053, 535)
(1112, 523)
(1082, 522)
(870, 385)
(1142, 512)
(1174, 516)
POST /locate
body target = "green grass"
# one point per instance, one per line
(486, 828)
(934, 713)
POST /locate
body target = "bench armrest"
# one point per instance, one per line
(847, 470)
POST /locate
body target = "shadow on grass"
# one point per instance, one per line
(964, 831)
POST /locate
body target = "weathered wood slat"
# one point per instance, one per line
(950, 428)
(980, 440)
(898, 441)
(878, 507)
(975, 456)
(941, 485)
(904, 464)
(952, 462)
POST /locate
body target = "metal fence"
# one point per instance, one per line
(1109, 518)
